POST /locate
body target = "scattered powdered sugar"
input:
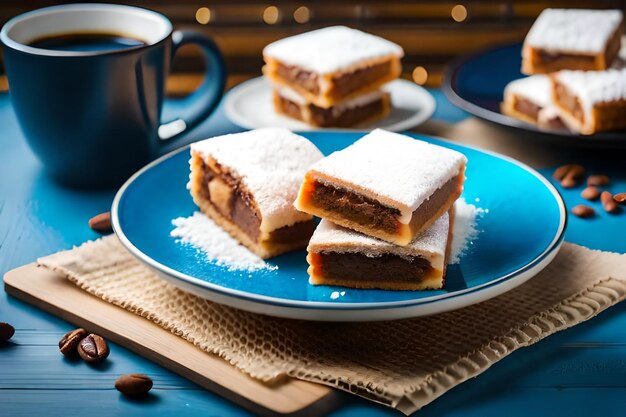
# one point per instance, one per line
(465, 231)
(218, 246)
(396, 169)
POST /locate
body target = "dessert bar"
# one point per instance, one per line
(385, 185)
(550, 118)
(340, 256)
(348, 113)
(330, 65)
(591, 101)
(530, 99)
(247, 182)
(574, 39)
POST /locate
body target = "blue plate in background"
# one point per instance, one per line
(476, 84)
(519, 235)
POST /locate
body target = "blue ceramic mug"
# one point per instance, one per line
(87, 84)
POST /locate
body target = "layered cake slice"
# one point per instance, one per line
(385, 185)
(330, 65)
(530, 99)
(591, 101)
(366, 108)
(340, 256)
(247, 182)
(576, 39)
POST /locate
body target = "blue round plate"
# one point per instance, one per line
(519, 235)
(476, 84)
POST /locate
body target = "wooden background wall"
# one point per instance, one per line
(431, 32)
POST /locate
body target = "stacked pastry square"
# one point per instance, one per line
(332, 76)
(575, 80)
(385, 203)
(247, 182)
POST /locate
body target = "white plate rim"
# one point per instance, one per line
(426, 100)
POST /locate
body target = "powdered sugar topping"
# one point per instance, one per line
(218, 246)
(331, 49)
(271, 163)
(536, 88)
(592, 87)
(574, 30)
(329, 235)
(432, 241)
(402, 170)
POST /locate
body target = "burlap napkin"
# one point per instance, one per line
(403, 364)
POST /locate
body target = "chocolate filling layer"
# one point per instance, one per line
(569, 101)
(238, 207)
(295, 233)
(331, 117)
(555, 123)
(290, 108)
(356, 207)
(295, 75)
(343, 84)
(527, 107)
(370, 213)
(346, 83)
(359, 267)
(348, 117)
(555, 58)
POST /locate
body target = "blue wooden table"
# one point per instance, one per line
(579, 372)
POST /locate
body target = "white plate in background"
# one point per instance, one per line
(249, 105)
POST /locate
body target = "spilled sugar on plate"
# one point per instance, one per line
(219, 248)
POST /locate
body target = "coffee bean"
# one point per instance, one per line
(569, 175)
(6, 331)
(133, 384)
(590, 193)
(69, 342)
(93, 348)
(569, 182)
(620, 198)
(584, 211)
(562, 171)
(101, 223)
(609, 205)
(597, 180)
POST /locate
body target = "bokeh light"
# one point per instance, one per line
(459, 13)
(203, 15)
(271, 15)
(420, 75)
(302, 14)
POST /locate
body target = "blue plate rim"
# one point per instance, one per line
(325, 305)
(449, 84)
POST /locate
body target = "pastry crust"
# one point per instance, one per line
(264, 249)
(404, 183)
(434, 283)
(405, 232)
(433, 246)
(247, 182)
(330, 65)
(591, 101)
(508, 107)
(350, 113)
(572, 39)
(329, 94)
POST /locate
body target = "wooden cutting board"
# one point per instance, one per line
(55, 294)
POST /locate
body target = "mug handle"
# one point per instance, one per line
(196, 107)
